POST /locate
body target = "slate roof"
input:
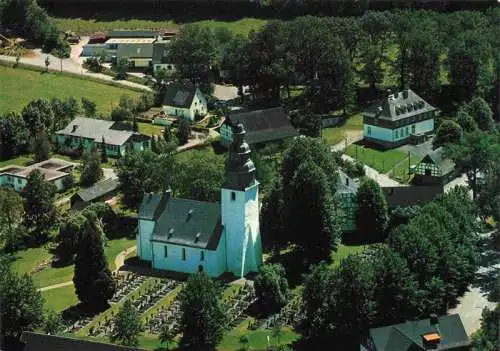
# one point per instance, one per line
(158, 51)
(404, 196)
(398, 106)
(446, 165)
(43, 342)
(408, 336)
(98, 189)
(189, 223)
(179, 96)
(96, 129)
(264, 125)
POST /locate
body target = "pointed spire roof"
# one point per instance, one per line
(240, 170)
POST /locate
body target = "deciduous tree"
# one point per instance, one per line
(271, 287)
(91, 170)
(203, 316)
(371, 212)
(11, 216)
(183, 131)
(448, 132)
(39, 209)
(41, 147)
(127, 325)
(89, 107)
(38, 117)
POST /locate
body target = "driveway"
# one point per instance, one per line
(68, 65)
(470, 306)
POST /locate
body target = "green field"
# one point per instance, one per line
(20, 86)
(88, 26)
(59, 299)
(334, 135)
(382, 161)
(28, 260)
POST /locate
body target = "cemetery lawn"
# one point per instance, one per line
(60, 299)
(334, 135)
(382, 161)
(26, 261)
(27, 85)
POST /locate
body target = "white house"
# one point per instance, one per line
(398, 119)
(186, 236)
(184, 101)
(54, 170)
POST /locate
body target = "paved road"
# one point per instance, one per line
(69, 65)
(470, 306)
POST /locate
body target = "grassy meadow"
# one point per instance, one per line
(20, 86)
(88, 26)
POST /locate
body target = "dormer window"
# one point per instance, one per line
(197, 238)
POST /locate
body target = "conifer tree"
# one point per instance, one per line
(92, 170)
(94, 285)
(371, 213)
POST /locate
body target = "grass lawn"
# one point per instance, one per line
(345, 250)
(26, 85)
(87, 26)
(400, 172)
(19, 161)
(334, 135)
(150, 128)
(382, 161)
(29, 259)
(59, 299)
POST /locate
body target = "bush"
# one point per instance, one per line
(93, 64)
(62, 49)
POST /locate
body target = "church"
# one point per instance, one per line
(187, 236)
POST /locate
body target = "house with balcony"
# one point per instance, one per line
(401, 118)
(85, 133)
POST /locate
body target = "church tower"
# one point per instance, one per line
(240, 208)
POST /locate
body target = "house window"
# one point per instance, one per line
(183, 254)
(369, 130)
(233, 196)
(138, 50)
(202, 255)
(165, 251)
(396, 134)
(413, 129)
(19, 181)
(407, 131)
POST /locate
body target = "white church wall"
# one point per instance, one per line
(176, 260)
(240, 217)
(216, 260)
(143, 239)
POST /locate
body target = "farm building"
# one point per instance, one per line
(262, 126)
(399, 119)
(434, 168)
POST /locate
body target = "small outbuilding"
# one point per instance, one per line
(100, 191)
(404, 196)
(434, 168)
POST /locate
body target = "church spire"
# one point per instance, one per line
(240, 170)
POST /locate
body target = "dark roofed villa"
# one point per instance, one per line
(399, 119)
(261, 125)
(185, 101)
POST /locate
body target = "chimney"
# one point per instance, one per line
(170, 232)
(75, 126)
(197, 237)
(189, 215)
(405, 93)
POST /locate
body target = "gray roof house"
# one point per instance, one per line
(91, 132)
(262, 126)
(184, 101)
(436, 333)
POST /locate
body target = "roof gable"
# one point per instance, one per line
(399, 105)
(179, 96)
(438, 158)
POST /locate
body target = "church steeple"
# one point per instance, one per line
(240, 170)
